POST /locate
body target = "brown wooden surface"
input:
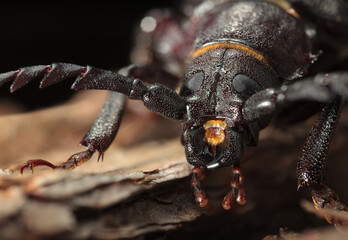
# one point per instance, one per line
(142, 189)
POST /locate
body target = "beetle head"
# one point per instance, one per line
(215, 87)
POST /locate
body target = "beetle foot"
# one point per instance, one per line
(78, 159)
(198, 174)
(326, 198)
(74, 161)
(237, 193)
(36, 162)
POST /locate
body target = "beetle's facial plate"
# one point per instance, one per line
(213, 145)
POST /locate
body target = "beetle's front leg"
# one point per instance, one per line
(310, 167)
(98, 138)
(158, 98)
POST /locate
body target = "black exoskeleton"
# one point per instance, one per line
(242, 62)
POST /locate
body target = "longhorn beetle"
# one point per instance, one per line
(242, 62)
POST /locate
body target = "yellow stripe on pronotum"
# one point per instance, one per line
(239, 47)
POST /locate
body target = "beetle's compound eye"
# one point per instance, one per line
(245, 86)
(193, 84)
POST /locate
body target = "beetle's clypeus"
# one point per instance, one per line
(241, 62)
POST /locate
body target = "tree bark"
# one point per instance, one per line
(142, 189)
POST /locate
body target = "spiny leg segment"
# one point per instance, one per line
(311, 164)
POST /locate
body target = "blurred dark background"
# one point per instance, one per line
(98, 33)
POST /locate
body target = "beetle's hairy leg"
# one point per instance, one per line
(198, 174)
(311, 164)
(237, 193)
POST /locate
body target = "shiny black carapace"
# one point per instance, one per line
(240, 63)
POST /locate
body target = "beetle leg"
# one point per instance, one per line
(98, 138)
(102, 133)
(237, 193)
(310, 167)
(198, 174)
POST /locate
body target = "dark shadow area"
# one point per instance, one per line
(99, 34)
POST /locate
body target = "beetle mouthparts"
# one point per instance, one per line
(214, 132)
